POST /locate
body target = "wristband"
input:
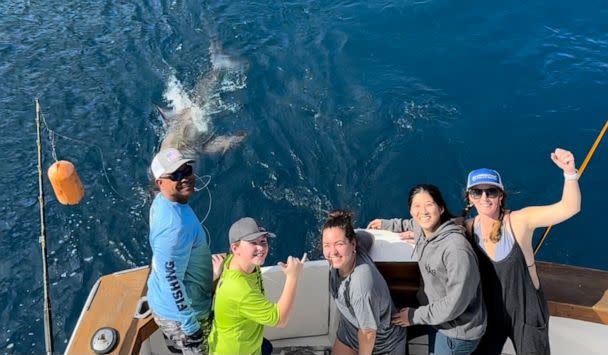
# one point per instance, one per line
(573, 176)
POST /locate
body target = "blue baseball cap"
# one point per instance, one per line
(484, 176)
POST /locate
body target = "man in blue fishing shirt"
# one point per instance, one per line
(180, 285)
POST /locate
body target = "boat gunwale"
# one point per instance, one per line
(572, 292)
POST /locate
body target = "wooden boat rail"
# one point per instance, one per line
(575, 292)
(571, 291)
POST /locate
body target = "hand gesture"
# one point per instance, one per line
(218, 262)
(375, 224)
(293, 268)
(409, 237)
(402, 318)
(564, 159)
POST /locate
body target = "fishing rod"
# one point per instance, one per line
(580, 174)
(48, 324)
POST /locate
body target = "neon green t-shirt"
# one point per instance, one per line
(241, 312)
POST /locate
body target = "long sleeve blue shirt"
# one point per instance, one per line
(181, 281)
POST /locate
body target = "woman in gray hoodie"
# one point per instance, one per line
(452, 302)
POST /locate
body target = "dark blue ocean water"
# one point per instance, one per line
(346, 104)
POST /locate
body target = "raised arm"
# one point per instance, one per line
(217, 261)
(569, 205)
(292, 271)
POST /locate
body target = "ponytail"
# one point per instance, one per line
(496, 231)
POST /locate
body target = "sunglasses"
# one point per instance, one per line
(491, 192)
(180, 174)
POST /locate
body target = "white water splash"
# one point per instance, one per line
(226, 75)
(179, 100)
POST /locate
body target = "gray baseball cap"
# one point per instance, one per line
(246, 229)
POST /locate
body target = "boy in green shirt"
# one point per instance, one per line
(241, 308)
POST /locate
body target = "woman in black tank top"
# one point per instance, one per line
(516, 306)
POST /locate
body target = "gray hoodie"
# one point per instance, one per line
(450, 277)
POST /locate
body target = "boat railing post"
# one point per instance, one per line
(48, 323)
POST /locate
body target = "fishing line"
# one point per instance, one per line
(51, 133)
(205, 180)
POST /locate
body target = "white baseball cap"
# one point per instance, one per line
(167, 161)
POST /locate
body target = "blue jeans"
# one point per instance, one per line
(440, 344)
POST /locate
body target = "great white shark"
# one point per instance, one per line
(186, 136)
(189, 127)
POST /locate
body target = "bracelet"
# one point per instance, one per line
(573, 176)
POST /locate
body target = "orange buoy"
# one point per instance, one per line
(66, 183)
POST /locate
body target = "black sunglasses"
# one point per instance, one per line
(491, 192)
(179, 175)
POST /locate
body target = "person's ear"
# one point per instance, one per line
(234, 248)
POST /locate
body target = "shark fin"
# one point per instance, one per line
(167, 114)
(221, 144)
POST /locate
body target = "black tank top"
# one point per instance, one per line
(514, 306)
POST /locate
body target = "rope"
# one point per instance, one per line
(206, 179)
(48, 319)
(580, 174)
(52, 135)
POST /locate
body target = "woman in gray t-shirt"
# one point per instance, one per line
(359, 291)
